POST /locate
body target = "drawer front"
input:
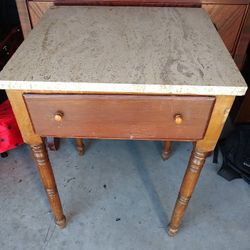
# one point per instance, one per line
(120, 116)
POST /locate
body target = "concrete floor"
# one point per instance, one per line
(120, 195)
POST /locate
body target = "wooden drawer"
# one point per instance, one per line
(119, 116)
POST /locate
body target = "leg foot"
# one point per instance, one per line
(166, 150)
(47, 176)
(61, 223)
(190, 179)
(172, 231)
(80, 146)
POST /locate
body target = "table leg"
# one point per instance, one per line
(196, 162)
(166, 150)
(46, 173)
(80, 146)
(53, 143)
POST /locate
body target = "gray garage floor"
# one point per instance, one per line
(120, 195)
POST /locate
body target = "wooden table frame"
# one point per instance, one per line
(218, 117)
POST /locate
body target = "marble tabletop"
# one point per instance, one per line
(124, 50)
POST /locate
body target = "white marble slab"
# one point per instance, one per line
(124, 49)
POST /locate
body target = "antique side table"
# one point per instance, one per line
(136, 73)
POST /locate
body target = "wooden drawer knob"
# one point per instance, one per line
(58, 116)
(178, 119)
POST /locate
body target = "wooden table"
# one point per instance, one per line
(123, 73)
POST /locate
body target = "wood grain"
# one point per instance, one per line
(80, 146)
(22, 117)
(244, 38)
(53, 143)
(174, 2)
(37, 10)
(189, 182)
(219, 115)
(47, 177)
(166, 150)
(24, 17)
(120, 117)
(197, 159)
(225, 2)
(228, 20)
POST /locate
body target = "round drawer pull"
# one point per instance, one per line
(58, 116)
(178, 119)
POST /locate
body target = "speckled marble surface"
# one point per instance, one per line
(124, 49)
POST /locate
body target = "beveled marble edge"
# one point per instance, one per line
(122, 88)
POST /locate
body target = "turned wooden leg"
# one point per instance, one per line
(166, 150)
(46, 173)
(53, 143)
(80, 146)
(190, 179)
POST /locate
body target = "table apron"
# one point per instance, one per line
(132, 117)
